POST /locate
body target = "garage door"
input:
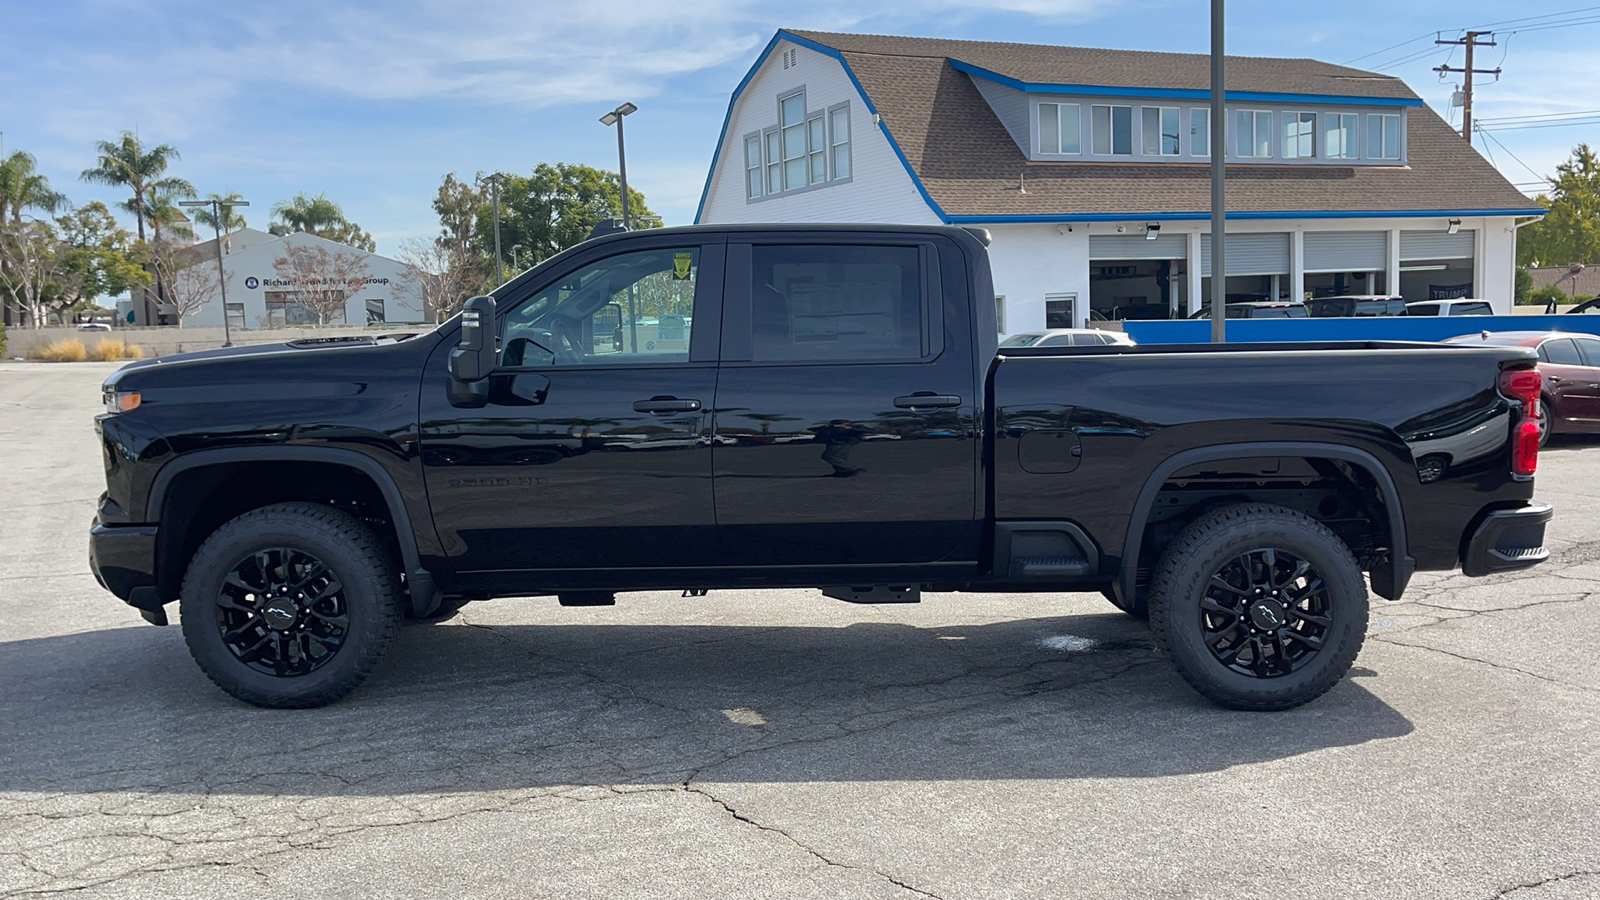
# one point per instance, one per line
(1436, 245)
(1347, 251)
(1135, 246)
(1250, 254)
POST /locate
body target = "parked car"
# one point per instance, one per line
(1069, 337)
(1587, 307)
(1569, 376)
(94, 326)
(1464, 307)
(1355, 305)
(1260, 309)
(849, 423)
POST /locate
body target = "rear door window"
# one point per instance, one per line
(1590, 348)
(1423, 309)
(816, 303)
(1470, 309)
(1562, 352)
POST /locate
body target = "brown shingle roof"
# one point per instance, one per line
(970, 166)
(1041, 64)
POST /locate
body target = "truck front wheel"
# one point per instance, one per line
(290, 605)
(1259, 607)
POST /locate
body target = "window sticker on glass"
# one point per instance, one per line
(680, 265)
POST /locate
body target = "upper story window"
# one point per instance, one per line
(1383, 136)
(1160, 133)
(1253, 133)
(806, 148)
(1339, 136)
(1299, 135)
(1199, 132)
(1112, 127)
(1059, 128)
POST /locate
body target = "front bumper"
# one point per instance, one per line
(123, 559)
(1508, 539)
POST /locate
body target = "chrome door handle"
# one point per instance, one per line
(658, 405)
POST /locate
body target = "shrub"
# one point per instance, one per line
(2, 341)
(110, 349)
(67, 350)
(1543, 296)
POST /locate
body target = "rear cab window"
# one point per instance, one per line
(1423, 309)
(1470, 309)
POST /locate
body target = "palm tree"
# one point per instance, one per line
(229, 222)
(126, 163)
(306, 213)
(161, 208)
(22, 187)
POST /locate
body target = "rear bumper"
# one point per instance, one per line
(1508, 539)
(123, 559)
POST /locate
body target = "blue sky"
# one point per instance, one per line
(374, 102)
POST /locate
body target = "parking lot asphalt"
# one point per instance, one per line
(780, 744)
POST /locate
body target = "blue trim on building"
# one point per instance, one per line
(866, 101)
(1370, 328)
(1246, 216)
(1176, 93)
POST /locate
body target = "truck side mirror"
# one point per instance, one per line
(473, 357)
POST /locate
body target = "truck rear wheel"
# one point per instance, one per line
(290, 605)
(1259, 607)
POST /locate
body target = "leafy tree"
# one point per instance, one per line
(319, 216)
(1570, 232)
(22, 187)
(187, 283)
(553, 209)
(231, 219)
(98, 259)
(30, 261)
(443, 273)
(168, 221)
(1523, 283)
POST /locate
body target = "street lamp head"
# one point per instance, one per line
(194, 202)
(611, 118)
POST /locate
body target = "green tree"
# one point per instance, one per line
(319, 216)
(1570, 232)
(231, 219)
(98, 258)
(22, 187)
(168, 221)
(1522, 284)
(553, 209)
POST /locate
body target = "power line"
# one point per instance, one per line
(1593, 121)
(1539, 117)
(1502, 146)
(1550, 25)
(1387, 49)
(1534, 18)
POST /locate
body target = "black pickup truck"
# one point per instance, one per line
(784, 406)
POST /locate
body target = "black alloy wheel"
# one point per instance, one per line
(1266, 613)
(1259, 607)
(290, 605)
(283, 612)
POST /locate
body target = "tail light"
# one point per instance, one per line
(1522, 385)
(1525, 448)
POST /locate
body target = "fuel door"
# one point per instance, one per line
(1050, 452)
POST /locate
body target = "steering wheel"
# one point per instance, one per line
(567, 348)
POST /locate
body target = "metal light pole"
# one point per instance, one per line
(615, 118)
(494, 190)
(1219, 155)
(217, 212)
(516, 257)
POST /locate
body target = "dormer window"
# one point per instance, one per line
(1383, 137)
(1112, 127)
(1299, 135)
(1339, 136)
(1060, 125)
(1160, 134)
(1253, 134)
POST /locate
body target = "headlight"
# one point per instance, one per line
(119, 401)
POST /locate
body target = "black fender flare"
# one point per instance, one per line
(1390, 583)
(424, 593)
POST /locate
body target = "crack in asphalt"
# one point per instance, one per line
(1529, 885)
(814, 852)
(1486, 662)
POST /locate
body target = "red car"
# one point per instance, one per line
(1569, 365)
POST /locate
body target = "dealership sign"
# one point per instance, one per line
(253, 282)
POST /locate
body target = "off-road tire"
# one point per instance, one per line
(1202, 549)
(356, 557)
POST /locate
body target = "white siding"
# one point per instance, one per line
(880, 189)
(1030, 261)
(1497, 263)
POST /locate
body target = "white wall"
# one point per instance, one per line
(880, 189)
(386, 280)
(1030, 261)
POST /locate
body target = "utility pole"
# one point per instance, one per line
(499, 261)
(1219, 155)
(1471, 41)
